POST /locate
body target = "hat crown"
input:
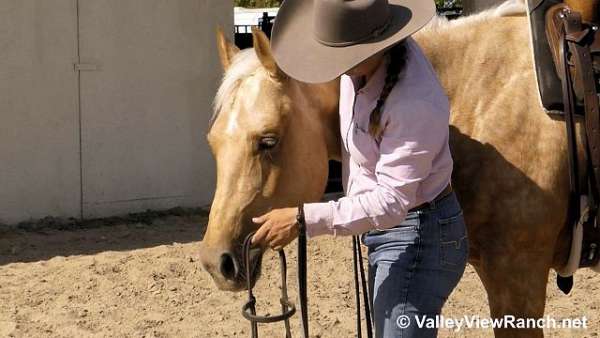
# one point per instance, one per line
(347, 22)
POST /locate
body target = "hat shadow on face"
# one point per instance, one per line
(401, 17)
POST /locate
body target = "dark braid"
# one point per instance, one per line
(397, 61)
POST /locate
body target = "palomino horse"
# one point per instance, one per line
(272, 137)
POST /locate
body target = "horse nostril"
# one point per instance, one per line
(229, 268)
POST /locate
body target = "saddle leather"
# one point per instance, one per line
(566, 48)
(555, 31)
(576, 53)
(548, 81)
(555, 34)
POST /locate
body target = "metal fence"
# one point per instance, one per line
(243, 33)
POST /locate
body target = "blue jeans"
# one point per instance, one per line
(414, 267)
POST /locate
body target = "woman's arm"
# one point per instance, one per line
(408, 147)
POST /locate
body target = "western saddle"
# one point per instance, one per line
(566, 46)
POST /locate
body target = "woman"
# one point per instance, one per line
(396, 159)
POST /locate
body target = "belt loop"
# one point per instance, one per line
(432, 204)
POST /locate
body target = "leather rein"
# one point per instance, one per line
(288, 309)
(575, 41)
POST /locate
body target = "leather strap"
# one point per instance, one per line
(447, 190)
(249, 309)
(580, 39)
(576, 37)
(578, 81)
(360, 280)
(573, 212)
(302, 270)
(288, 309)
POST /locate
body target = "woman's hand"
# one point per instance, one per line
(279, 228)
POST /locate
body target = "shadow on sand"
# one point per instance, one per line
(39, 243)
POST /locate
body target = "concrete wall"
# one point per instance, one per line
(39, 136)
(473, 6)
(127, 133)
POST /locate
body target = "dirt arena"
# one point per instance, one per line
(140, 280)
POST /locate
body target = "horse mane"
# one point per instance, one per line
(243, 64)
(505, 9)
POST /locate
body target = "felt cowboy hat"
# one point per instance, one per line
(319, 40)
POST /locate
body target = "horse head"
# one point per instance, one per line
(271, 137)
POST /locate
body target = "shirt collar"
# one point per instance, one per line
(372, 89)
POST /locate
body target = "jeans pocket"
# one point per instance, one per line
(402, 234)
(411, 222)
(453, 242)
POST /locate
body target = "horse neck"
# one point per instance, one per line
(456, 50)
(441, 59)
(319, 103)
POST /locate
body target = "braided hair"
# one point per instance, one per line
(397, 61)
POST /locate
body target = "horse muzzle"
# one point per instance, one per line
(227, 268)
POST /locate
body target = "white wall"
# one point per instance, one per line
(125, 137)
(39, 142)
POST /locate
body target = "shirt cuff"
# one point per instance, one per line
(319, 219)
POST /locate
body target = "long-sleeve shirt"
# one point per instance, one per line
(411, 162)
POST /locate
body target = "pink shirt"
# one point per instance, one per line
(410, 165)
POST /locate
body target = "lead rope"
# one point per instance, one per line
(288, 309)
(359, 267)
(249, 309)
(302, 268)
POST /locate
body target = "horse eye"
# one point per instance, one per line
(268, 142)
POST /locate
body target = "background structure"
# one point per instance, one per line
(473, 6)
(104, 105)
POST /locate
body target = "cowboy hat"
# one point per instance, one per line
(319, 40)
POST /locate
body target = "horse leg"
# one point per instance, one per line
(516, 286)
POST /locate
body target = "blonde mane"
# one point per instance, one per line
(243, 64)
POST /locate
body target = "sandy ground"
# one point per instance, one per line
(134, 280)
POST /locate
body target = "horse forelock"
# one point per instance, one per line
(243, 65)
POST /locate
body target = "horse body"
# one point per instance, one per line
(510, 169)
(510, 157)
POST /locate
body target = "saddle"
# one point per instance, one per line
(566, 48)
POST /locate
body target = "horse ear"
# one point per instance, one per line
(227, 50)
(262, 48)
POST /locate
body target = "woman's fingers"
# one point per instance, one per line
(260, 219)
(278, 237)
(263, 230)
(276, 243)
(261, 234)
(276, 229)
(272, 234)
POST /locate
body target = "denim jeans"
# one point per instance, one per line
(414, 267)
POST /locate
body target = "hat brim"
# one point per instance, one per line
(302, 57)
